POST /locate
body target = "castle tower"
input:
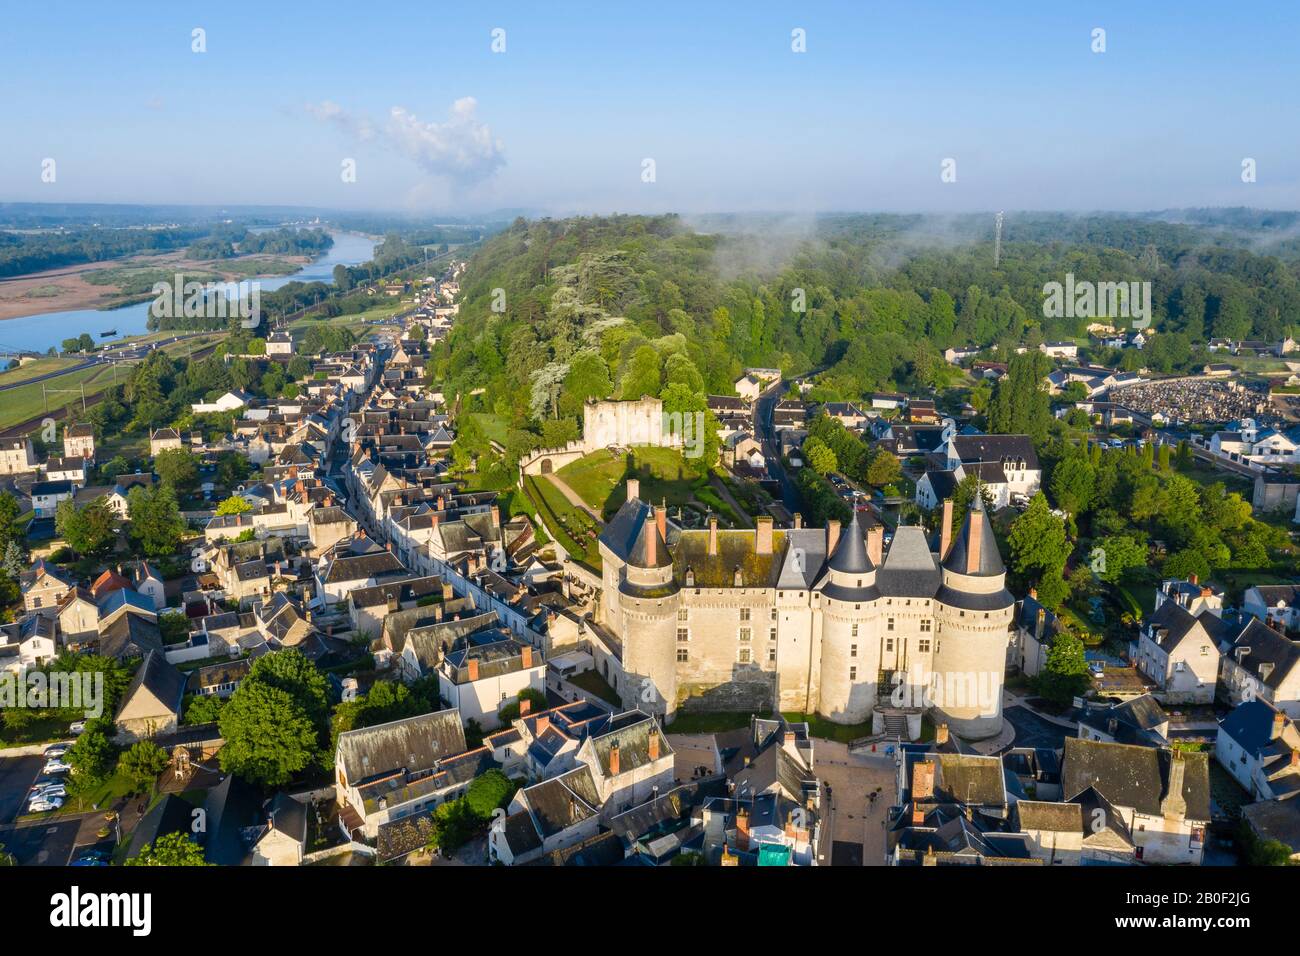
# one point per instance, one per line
(648, 599)
(973, 613)
(848, 596)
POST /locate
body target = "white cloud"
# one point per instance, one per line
(462, 149)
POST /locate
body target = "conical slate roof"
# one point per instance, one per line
(850, 554)
(990, 561)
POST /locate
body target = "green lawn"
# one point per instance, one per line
(708, 723)
(598, 478)
(573, 528)
(819, 726)
(593, 683)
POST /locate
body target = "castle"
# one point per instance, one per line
(808, 619)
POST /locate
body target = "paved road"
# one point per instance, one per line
(1033, 731)
(763, 408)
(16, 777)
(44, 843)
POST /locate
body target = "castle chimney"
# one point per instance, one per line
(832, 535)
(613, 760)
(876, 543)
(975, 544)
(633, 489)
(945, 534)
(798, 520)
(713, 535)
(763, 536)
(661, 521)
(472, 666)
(651, 545)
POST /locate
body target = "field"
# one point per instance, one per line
(41, 366)
(598, 478)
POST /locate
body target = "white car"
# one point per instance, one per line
(77, 727)
(56, 751)
(50, 790)
(55, 766)
(44, 804)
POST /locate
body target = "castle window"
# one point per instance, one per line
(923, 645)
(774, 614)
(925, 625)
(855, 630)
(853, 673)
(744, 633)
(889, 644)
(771, 653)
(853, 650)
(744, 614)
(683, 614)
(683, 634)
(682, 655)
(771, 634)
(889, 624)
(744, 655)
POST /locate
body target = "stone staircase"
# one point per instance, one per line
(896, 726)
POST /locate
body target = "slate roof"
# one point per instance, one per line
(1267, 646)
(1133, 776)
(990, 561)
(413, 744)
(1250, 724)
(627, 532)
(850, 554)
(631, 733)
(1053, 817)
(908, 569)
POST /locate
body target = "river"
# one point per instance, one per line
(37, 333)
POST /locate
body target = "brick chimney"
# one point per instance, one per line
(1279, 721)
(763, 535)
(541, 725)
(832, 535)
(713, 535)
(527, 654)
(661, 521)
(876, 543)
(922, 789)
(651, 546)
(613, 760)
(798, 520)
(975, 546)
(633, 488)
(1173, 805)
(945, 534)
(447, 592)
(941, 734)
(652, 745)
(742, 829)
(472, 667)
(525, 705)
(1192, 579)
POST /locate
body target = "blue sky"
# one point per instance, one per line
(733, 119)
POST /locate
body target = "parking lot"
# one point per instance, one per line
(16, 777)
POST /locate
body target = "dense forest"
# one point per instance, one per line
(228, 242)
(629, 305)
(21, 253)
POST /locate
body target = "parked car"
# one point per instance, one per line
(55, 766)
(55, 750)
(44, 805)
(77, 727)
(57, 790)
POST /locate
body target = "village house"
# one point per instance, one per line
(79, 441)
(479, 678)
(44, 585)
(152, 703)
(1259, 663)
(1179, 652)
(1161, 796)
(17, 456)
(1277, 605)
(1260, 747)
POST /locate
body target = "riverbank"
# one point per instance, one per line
(114, 283)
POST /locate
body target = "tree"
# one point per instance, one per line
(269, 737)
(819, 456)
(489, 792)
(1072, 483)
(883, 469)
(234, 505)
(92, 756)
(1065, 672)
(178, 468)
(1115, 554)
(142, 763)
(1183, 564)
(170, 849)
(156, 522)
(87, 530)
(276, 723)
